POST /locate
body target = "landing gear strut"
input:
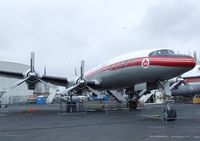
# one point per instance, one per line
(132, 105)
(71, 106)
(169, 114)
(132, 98)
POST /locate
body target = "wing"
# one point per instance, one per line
(79, 88)
(60, 81)
(10, 74)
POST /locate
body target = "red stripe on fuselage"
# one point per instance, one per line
(154, 61)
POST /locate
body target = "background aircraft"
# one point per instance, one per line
(193, 79)
(186, 85)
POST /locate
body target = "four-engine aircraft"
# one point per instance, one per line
(154, 67)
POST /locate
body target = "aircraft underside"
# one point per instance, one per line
(130, 76)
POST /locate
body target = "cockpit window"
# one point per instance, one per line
(164, 52)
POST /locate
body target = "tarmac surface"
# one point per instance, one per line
(45, 123)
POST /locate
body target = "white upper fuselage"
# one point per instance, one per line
(123, 57)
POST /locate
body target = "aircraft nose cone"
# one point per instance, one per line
(188, 61)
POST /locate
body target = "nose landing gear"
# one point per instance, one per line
(169, 114)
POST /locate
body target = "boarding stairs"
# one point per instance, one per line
(51, 96)
(118, 96)
(144, 98)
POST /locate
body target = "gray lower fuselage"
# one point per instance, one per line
(129, 76)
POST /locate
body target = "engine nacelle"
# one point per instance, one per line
(32, 79)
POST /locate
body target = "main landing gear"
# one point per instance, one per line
(132, 98)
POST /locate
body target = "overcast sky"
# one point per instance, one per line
(62, 32)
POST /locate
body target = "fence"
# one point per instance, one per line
(183, 111)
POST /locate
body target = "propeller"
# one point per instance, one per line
(81, 79)
(179, 82)
(31, 77)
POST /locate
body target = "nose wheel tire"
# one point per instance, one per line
(169, 115)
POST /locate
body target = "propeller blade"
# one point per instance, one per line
(179, 82)
(32, 61)
(82, 68)
(187, 84)
(195, 55)
(18, 83)
(75, 71)
(45, 71)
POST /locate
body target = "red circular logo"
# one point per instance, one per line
(145, 63)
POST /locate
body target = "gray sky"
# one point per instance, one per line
(62, 32)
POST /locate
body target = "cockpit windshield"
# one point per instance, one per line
(163, 52)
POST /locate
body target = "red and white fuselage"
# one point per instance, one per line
(138, 67)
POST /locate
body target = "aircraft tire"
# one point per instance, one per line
(169, 115)
(133, 105)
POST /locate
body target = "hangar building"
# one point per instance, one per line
(19, 92)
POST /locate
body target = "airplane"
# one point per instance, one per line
(153, 66)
